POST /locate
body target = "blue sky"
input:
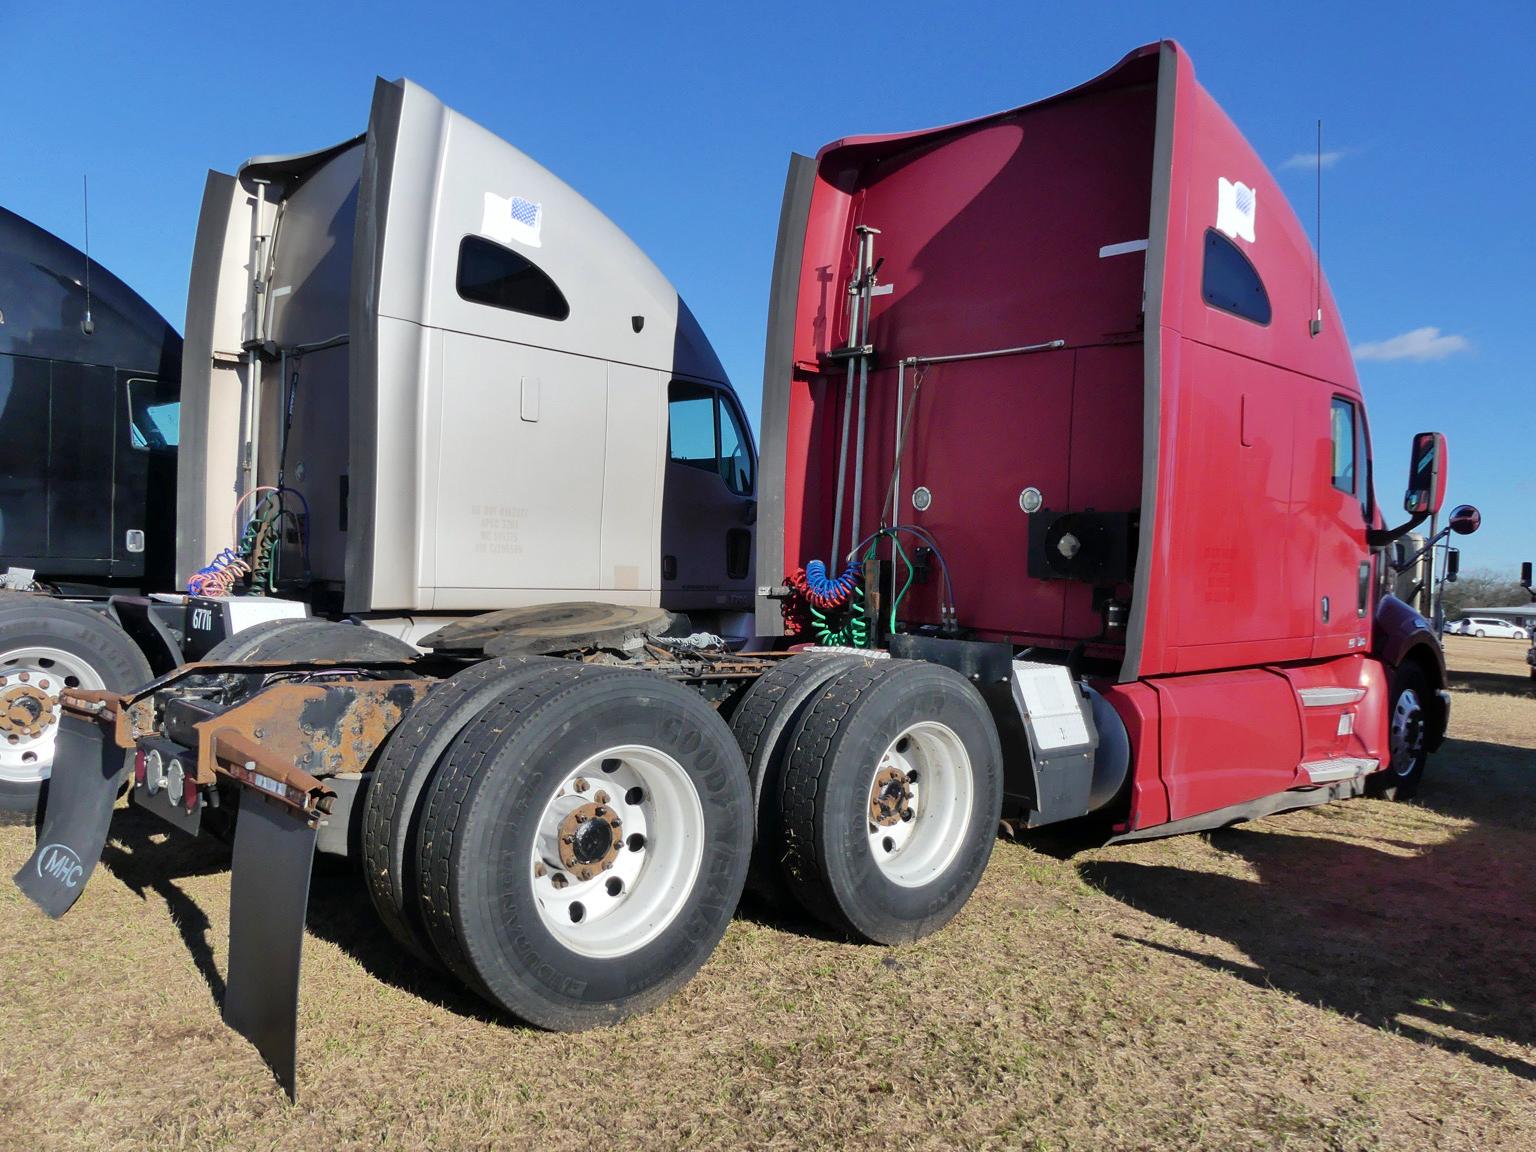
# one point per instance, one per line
(677, 121)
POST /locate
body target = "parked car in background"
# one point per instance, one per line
(1486, 626)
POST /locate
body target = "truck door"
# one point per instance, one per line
(1341, 483)
(149, 421)
(708, 502)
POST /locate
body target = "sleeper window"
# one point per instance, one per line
(502, 278)
(1231, 282)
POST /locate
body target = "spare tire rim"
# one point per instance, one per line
(617, 851)
(920, 799)
(30, 682)
(1407, 743)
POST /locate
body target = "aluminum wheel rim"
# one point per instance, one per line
(616, 903)
(1407, 732)
(35, 673)
(932, 807)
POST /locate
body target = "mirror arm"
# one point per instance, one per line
(1377, 538)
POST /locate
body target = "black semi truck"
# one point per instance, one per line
(89, 404)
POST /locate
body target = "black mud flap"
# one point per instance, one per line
(88, 769)
(268, 898)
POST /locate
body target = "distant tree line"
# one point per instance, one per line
(1481, 588)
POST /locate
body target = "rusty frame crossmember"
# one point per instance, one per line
(281, 740)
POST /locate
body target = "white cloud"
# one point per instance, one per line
(1309, 160)
(1420, 344)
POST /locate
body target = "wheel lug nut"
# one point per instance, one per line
(25, 676)
(600, 796)
(601, 811)
(558, 880)
(580, 784)
(539, 869)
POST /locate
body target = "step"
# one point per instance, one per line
(1339, 768)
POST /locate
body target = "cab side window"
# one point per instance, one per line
(735, 450)
(1342, 425)
(1350, 467)
(691, 426)
(705, 431)
(154, 415)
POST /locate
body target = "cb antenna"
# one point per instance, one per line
(87, 325)
(1317, 317)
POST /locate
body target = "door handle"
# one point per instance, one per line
(1364, 589)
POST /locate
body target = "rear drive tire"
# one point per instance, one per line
(1406, 724)
(572, 935)
(45, 646)
(763, 723)
(402, 776)
(890, 799)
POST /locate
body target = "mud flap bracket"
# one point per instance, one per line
(269, 899)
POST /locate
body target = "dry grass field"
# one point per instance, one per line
(1355, 976)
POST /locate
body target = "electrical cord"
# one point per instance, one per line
(947, 607)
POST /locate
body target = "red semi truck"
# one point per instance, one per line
(1103, 378)
(1065, 475)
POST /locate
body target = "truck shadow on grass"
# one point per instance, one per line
(147, 858)
(1435, 942)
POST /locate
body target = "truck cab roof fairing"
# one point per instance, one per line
(1092, 288)
(408, 352)
(42, 303)
(431, 178)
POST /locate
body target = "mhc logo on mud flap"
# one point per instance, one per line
(60, 862)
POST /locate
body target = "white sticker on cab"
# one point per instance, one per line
(511, 218)
(1236, 207)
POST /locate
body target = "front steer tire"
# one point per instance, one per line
(1407, 722)
(561, 958)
